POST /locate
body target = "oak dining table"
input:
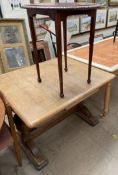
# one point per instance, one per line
(59, 12)
(37, 107)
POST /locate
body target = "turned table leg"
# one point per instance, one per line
(91, 42)
(33, 34)
(84, 113)
(65, 43)
(59, 52)
(107, 91)
(115, 33)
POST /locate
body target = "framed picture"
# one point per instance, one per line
(41, 24)
(14, 46)
(113, 2)
(84, 1)
(85, 22)
(73, 24)
(101, 18)
(14, 57)
(10, 34)
(102, 2)
(39, 1)
(112, 16)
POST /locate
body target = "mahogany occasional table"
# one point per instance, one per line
(59, 12)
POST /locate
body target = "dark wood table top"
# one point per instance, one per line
(63, 6)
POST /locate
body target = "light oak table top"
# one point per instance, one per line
(37, 102)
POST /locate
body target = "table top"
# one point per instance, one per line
(2, 112)
(36, 102)
(63, 6)
(105, 54)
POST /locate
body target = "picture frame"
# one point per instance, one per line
(112, 17)
(113, 2)
(101, 18)
(102, 2)
(40, 31)
(84, 1)
(39, 1)
(14, 45)
(85, 22)
(73, 25)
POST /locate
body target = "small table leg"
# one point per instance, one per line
(59, 52)
(65, 43)
(106, 98)
(84, 113)
(115, 33)
(32, 151)
(91, 42)
(33, 34)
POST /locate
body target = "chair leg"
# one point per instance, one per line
(13, 132)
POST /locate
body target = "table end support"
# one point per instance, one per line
(30, 148)
(84, 113)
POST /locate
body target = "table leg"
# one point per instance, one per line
(115, 33)
(107, 91)
(84, 113)
(13, 133)
(33, 34)
(91, 42)
(65, 43)
(30, 148)
(59, 52)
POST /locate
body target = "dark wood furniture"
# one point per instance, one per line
(115, 32)
(43, 51)
(59, 12)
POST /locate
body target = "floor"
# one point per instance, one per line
(75, 148)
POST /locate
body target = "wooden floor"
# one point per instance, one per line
(37, 102)
(105, 54)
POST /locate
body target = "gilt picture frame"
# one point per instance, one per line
(113, 2)
(14, 46)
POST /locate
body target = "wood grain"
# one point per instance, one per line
(105, 53)
(38, 103)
